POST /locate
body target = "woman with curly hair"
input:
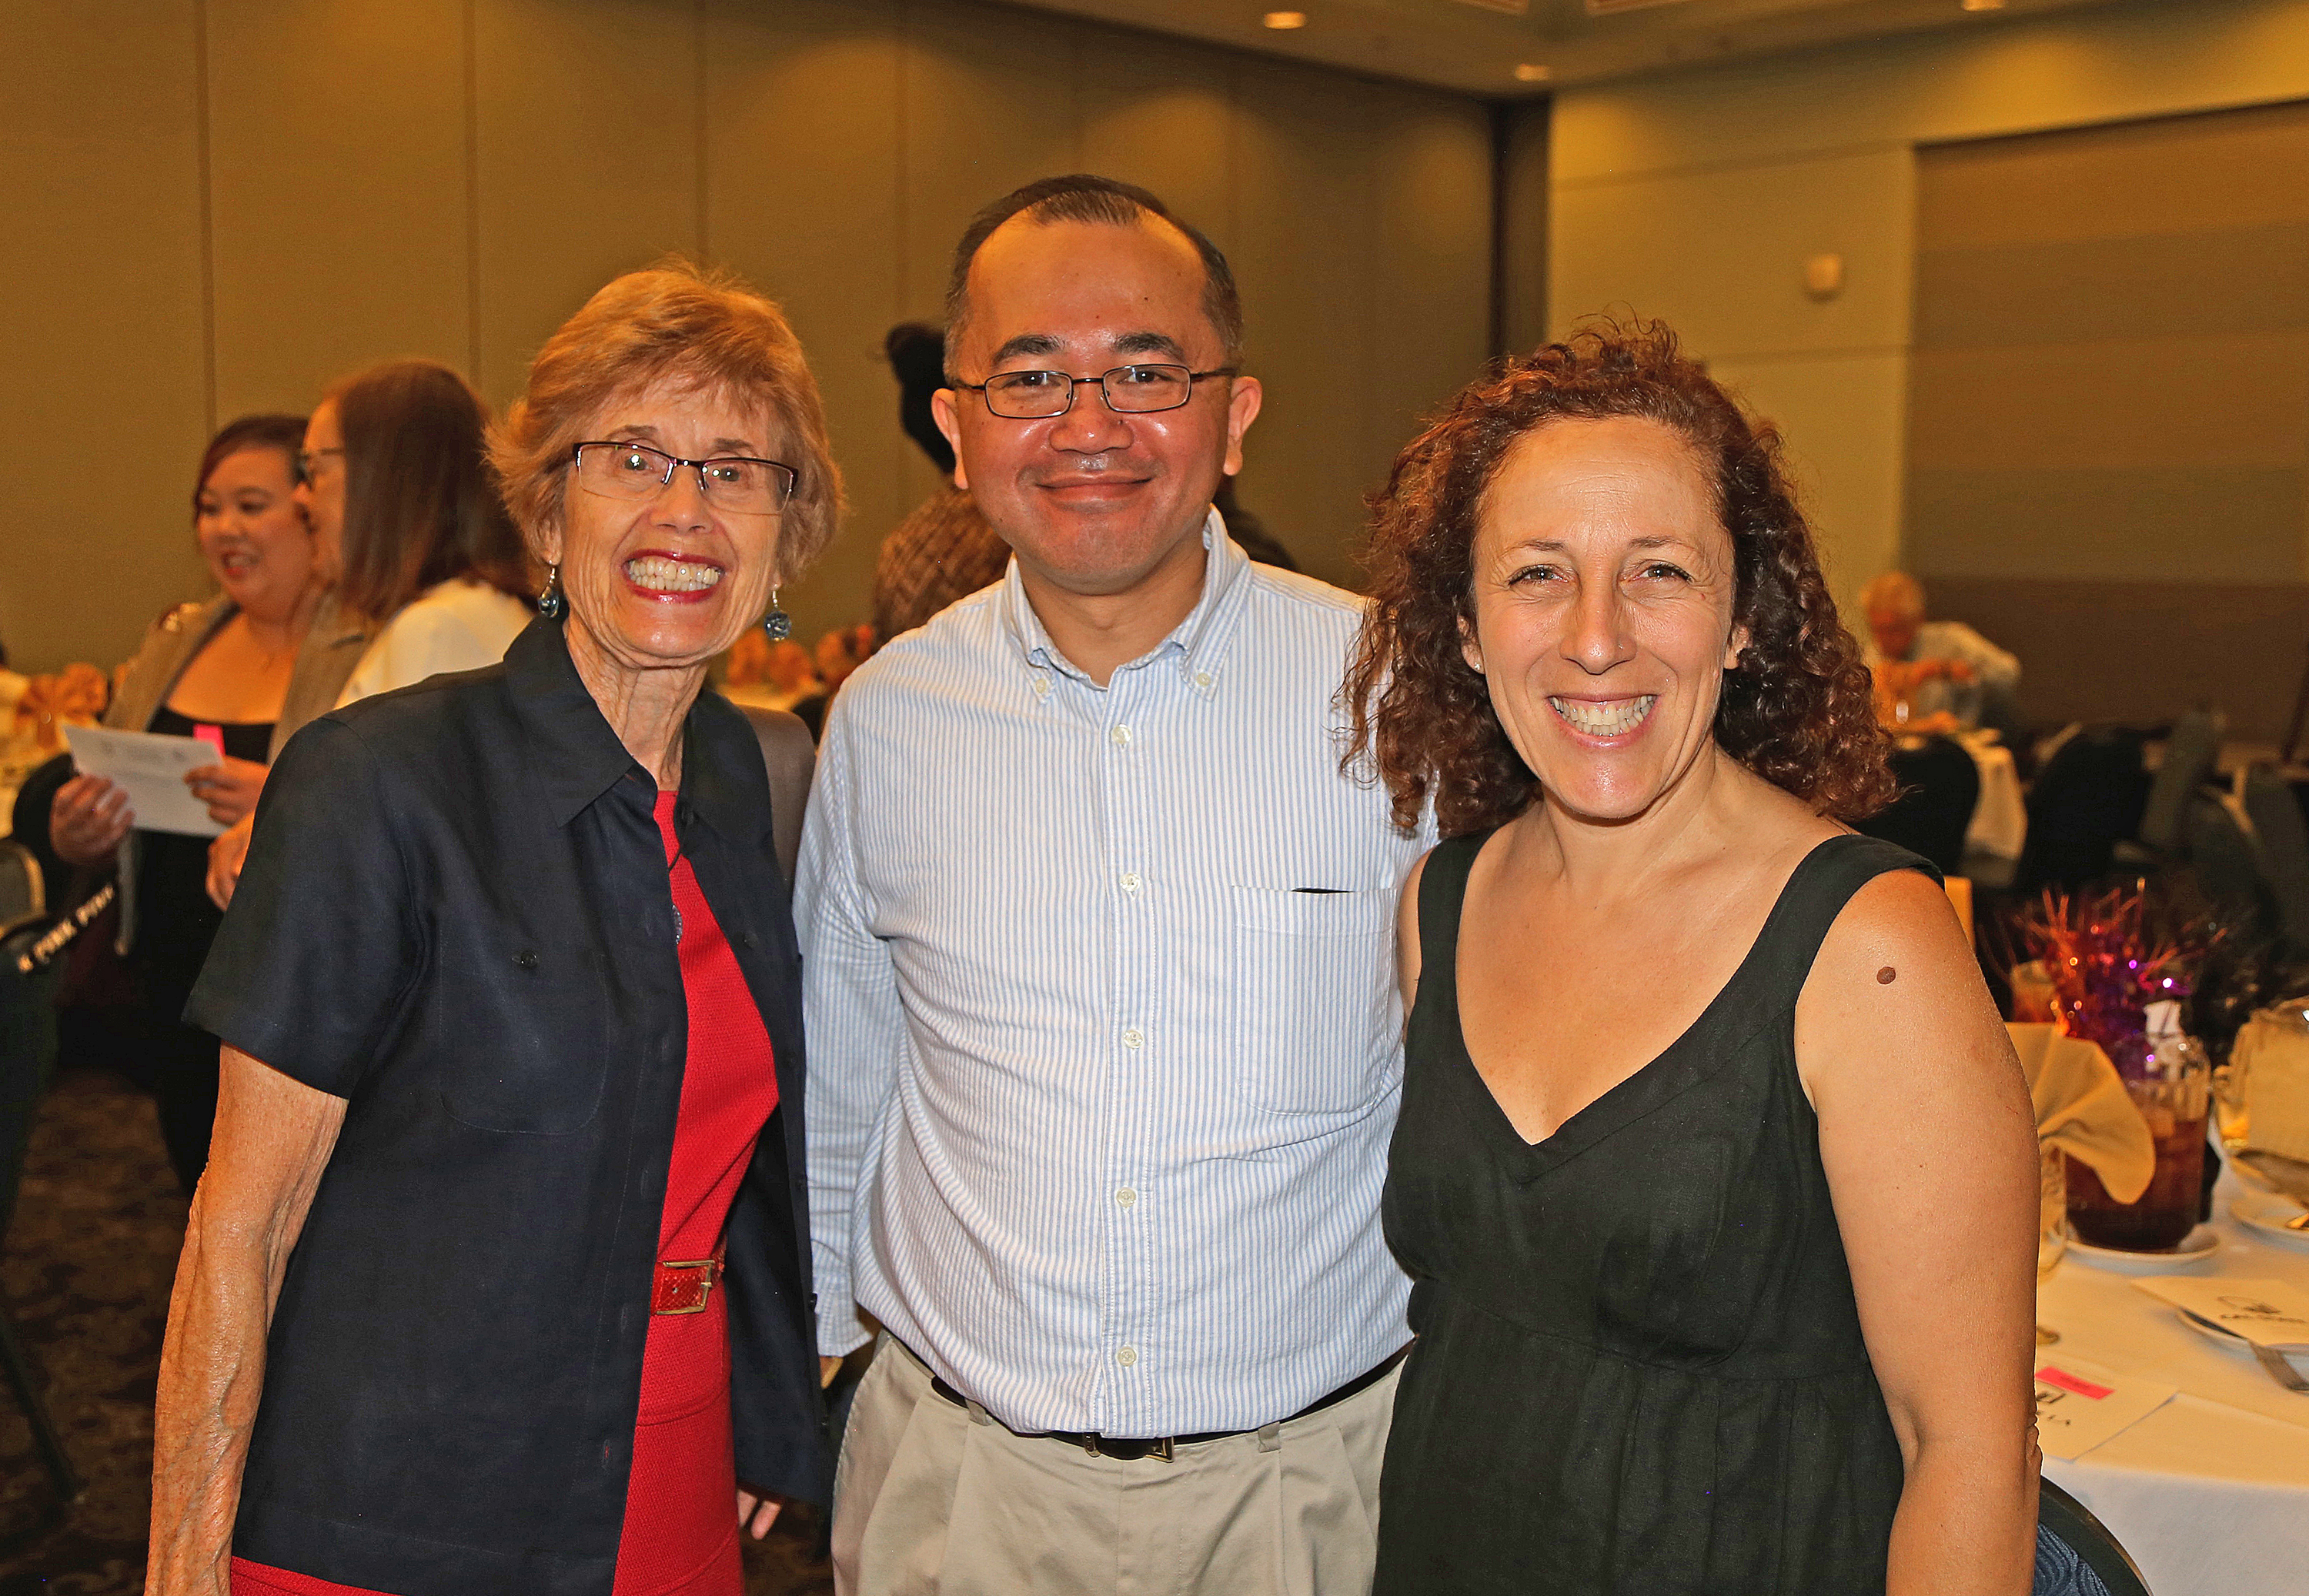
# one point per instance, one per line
(1715, 1174)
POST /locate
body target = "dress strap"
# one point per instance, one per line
(1442, 891)
(1822, 885)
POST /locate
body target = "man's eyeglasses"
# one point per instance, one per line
(307, 459)
(732, 482)
(1129, 390)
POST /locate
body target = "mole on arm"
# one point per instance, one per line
(1887, 975)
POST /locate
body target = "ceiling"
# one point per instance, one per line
(1474, 45)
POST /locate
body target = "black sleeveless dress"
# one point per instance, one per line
(1639, 1369)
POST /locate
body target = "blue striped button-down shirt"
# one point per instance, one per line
(1104, 1037)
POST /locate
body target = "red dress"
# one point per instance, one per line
(680, 1536)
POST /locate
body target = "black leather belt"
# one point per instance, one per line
(1165, 1446)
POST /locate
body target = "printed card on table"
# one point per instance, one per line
(2080, 1404)
(2267, 1313)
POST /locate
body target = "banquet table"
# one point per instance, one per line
(2210, 1492)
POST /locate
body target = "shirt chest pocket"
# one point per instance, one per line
(521, 1030)
(1314, 1014)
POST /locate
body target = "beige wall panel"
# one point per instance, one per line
(1720, 255)
(100, 119)
(1305, 157)
(342, 191)
(1843, 418)
(2242, 168)
(802, 196)
(2016, 75)
(1430, 227)
(587, 160)
(2218, 400)
(989, 99)
(1160, 115)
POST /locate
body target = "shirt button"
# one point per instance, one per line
(1133, 1037)
(1202, 678)
(1130, 882)
(1127, 1356)
(1119, 736)
(1042, 685)
(1126, 1197)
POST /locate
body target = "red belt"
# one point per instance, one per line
(685, 1288)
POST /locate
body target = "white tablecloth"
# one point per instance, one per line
(2210, 1492)
(2000, 819)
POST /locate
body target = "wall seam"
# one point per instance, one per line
(704, 137)
(472, 191)
(207, 181)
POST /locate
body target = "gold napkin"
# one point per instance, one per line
(2083, 1108)
(2274, 1055)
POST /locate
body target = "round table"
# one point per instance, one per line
(2210, 1492)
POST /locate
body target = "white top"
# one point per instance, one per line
(1104, 1041)
(458, 624)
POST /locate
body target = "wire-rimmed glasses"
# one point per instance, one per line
(737, 483)
(1129, 390)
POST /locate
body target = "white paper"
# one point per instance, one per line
(152, 769)
(2081, 1405)
(2265, 1312)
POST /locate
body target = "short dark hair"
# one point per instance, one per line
(420, 508)
(282, 434)
(1083, 196)
(1797, 708)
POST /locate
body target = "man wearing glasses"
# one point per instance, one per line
(1098, 954)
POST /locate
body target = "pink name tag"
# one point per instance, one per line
(2069, 1382)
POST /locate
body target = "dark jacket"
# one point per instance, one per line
(456, 915)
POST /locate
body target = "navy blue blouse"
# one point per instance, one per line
(455, 914)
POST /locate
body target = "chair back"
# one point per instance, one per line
(2189, 756)
(2275, 811)
(2088, 796)
(1940, 787)
(24, 890)
(2076, 1555)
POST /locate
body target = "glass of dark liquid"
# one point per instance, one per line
(2174, 1094)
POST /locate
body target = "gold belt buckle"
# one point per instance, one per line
(670, 1296)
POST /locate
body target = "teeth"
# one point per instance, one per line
(660, 575)
(1605, 720)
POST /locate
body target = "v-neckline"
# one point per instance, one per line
(1554, 1143)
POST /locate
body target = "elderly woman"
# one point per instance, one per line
(1715, 1173)
(243, 672)
(503, 1236)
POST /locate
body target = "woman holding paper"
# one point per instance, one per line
(241, 672)
(1714, 1171)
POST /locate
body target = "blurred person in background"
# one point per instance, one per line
(514, 1057)
(402, 506)
(944, 549)
(1715, 1173)
(1935, 667)
(242, 672)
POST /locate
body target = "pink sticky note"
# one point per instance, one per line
(214, 736)
(2069, 1382)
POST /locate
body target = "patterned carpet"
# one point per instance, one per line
(87, 1266)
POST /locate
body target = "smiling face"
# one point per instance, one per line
(1604, 592)
(1092, 502)
(253, 533)
(321, 493)
(667, 580)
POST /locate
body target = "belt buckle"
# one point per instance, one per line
(703, 1281)
(1162, 1448)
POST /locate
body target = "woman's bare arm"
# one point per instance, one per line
(273, 1137)
(1929, 1149)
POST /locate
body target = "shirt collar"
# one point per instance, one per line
(576, 757)
(1198, 642)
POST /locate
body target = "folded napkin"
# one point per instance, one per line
(2273, 1051)
(2083, 1108)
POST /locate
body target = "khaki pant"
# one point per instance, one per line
(932, 1499)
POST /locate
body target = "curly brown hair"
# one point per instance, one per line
(1796, 708)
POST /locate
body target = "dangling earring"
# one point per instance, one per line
(550, 603)
(777, 625)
